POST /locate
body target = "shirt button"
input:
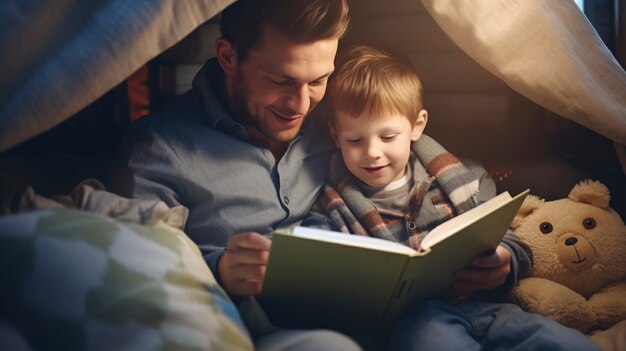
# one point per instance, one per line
(286, 200)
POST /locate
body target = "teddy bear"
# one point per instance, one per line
(578, 277)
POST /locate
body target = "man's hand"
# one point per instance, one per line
(242, 266)
(483, 272)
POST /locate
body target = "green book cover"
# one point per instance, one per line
(358, 284)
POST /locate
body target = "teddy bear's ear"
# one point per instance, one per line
(530, 205)
(591, 192)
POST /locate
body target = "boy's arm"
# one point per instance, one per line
(521, 260)
(497, 273)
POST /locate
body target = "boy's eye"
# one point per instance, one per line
(389, 137)
(353, 141)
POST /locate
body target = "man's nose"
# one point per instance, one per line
(300, 99)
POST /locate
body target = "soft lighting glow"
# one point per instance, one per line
(581, 4)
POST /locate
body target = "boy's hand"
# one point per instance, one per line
(242, 266)
(484, 272)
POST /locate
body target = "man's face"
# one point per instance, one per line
(279, 83)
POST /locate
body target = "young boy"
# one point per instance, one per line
(393, 182)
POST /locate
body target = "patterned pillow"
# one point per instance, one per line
(73, 280)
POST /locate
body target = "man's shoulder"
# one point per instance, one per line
(179, 117)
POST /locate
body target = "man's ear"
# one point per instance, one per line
(420, 124)
(226, 55)
(333, 133)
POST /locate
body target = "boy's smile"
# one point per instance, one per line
(375, 149)
(375, 170)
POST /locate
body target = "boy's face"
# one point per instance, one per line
(376, 149)
(279, 83)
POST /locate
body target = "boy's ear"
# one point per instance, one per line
(333, 133)
(420, 124)
(226, 55)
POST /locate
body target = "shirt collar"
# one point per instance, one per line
(207, 83)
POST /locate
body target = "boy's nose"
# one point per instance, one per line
(373, 150)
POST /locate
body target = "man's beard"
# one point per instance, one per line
(243, 115)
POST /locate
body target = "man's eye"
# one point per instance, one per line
(280, 82)
(317, 83)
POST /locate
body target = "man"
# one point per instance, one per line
(239, 150)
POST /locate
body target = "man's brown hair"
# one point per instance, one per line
(302, 20)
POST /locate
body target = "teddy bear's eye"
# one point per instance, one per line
(589, 223)
(545, 227)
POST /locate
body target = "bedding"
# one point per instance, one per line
(90, 195)
(74, 280)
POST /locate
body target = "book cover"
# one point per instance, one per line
(319, 278)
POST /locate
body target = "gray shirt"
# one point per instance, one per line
(195, 154)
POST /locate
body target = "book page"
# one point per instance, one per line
(352, 240)
(455, 224)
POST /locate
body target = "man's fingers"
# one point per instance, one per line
(247, 287)
(239, 256)
(248, 271)
(253, 241)
(248, 279)
(243, 264)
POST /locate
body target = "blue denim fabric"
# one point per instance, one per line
(478, 325)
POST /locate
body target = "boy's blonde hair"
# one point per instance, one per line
(375, 80)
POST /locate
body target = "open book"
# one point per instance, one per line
(359, 284)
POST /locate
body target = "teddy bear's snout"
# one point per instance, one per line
(571, 241)
(575, 252)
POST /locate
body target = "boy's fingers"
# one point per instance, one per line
(500, 257)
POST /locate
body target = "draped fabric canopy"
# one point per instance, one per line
(547, 51)
(61, 55)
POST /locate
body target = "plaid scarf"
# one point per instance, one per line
(450, 185)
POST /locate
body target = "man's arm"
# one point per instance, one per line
(148, 167)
